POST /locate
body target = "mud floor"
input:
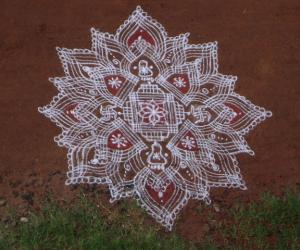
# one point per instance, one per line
(258, 41)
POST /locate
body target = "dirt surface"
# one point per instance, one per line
(258, 41)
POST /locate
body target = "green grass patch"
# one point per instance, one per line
(82, 226)
(271, 223)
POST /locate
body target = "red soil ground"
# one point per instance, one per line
(258, 41)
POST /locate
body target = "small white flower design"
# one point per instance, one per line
(115, 82)
(119, 140)
(156, 156)
(179, 82)
(152, 112)
(188, 142)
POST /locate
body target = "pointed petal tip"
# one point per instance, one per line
(251, 152)
(234, 78)
(207, 200)
(93, 30)
(139, 8)
(269, 113)
(169, 227)
(68, 182)
(41, 109)
(112, 200)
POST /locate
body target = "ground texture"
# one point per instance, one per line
(258, 42)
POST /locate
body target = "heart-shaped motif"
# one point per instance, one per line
(161, 197)
(238, 112)
(69, 111)
(140, 33)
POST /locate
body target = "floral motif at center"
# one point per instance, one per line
(152, 112)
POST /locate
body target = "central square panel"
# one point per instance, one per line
(153, 113)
